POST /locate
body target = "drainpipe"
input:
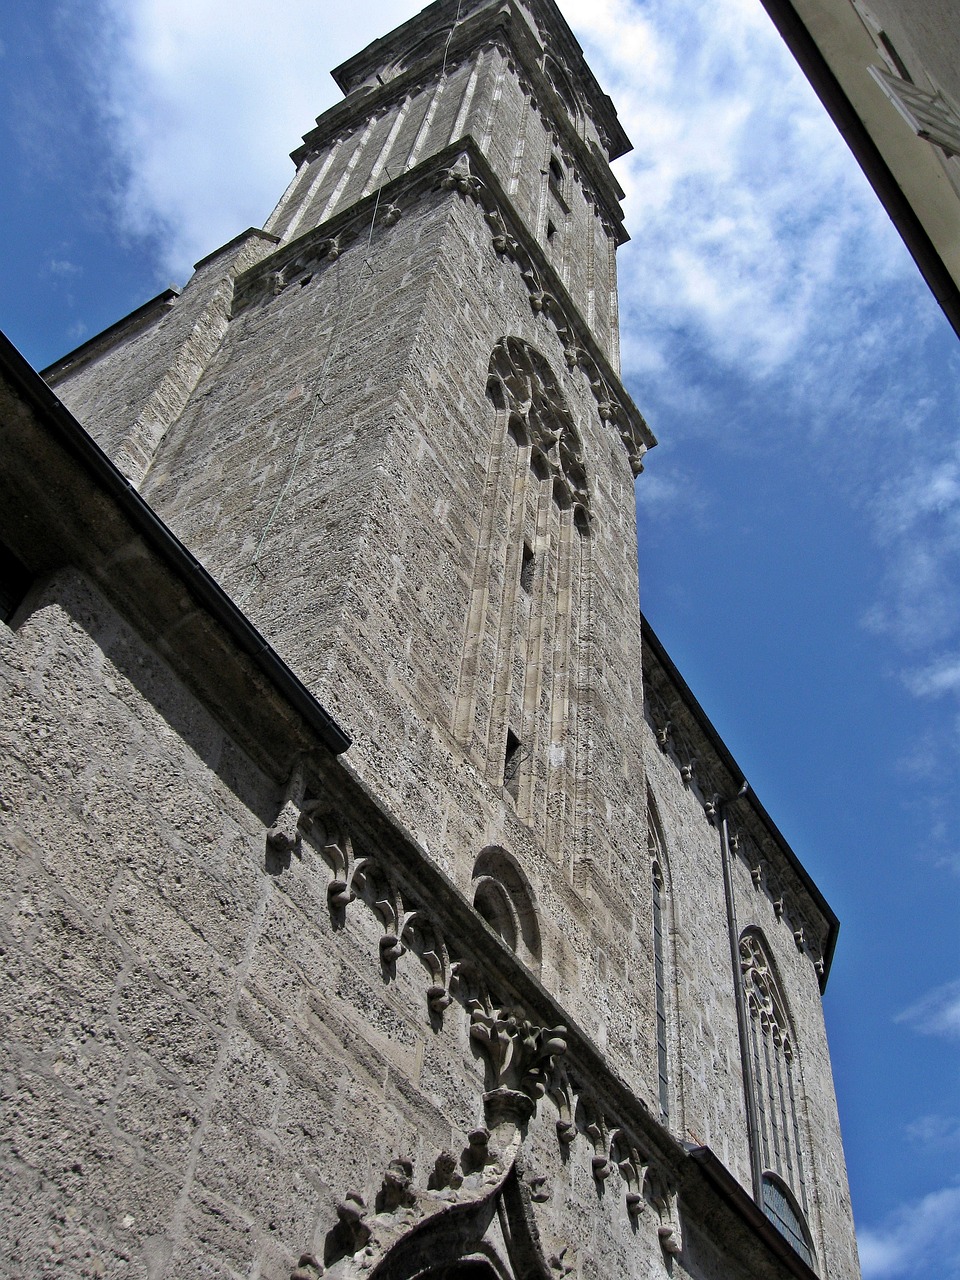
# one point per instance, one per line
(721, 807)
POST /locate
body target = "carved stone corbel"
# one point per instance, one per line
(460, 178)
(503, 244)
(663, 1200)
(284, 836)
(596, 1130)
(561, 1093)
(519, 1057)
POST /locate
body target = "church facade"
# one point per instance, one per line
(379, 901)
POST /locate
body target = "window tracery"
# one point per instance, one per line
(521, 381)
(503, 896)
(655, 849)
(775, 1072)
(523, 701)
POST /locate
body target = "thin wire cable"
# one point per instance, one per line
(446, 47)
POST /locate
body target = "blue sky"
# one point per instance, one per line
(799, 522)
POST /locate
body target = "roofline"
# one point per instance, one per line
(204, 589)
(131, 323)
(805, 50)
(649, 639)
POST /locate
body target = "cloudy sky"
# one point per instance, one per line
(799, 522)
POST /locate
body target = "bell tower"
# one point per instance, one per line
(391, 424)
(529, 885)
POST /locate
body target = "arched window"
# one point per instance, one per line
(781, 1209)
(503, 896)
(661, 948)
(519, 706)
(775, 1071)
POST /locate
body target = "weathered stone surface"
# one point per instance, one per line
(475, 984)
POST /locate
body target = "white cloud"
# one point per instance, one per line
(205, 101)
(935, 1131)
(63, 267)
(751, 224)
(937, 1013)
(916, 1237)
(935, 679)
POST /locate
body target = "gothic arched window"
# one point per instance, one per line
(781, 1208)
(520, 705)
(661, 946)
(776, 1085)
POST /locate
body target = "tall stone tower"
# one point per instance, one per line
(549, 973)
(407, 454)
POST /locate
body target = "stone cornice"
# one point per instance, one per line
(461, 168)
(504, 27)
(558, 40)
(150, 313)
(687, 737)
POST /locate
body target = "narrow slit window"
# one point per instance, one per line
(526, 569)
(511, 763)
(551, 232)
(556, 176)
(14, 583)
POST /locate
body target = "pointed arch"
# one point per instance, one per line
(493, 1237)
(664, 966)
(775, 1069)
(780, 1206)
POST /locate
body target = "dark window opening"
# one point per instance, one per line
(539, 465)
(894, 57)
(516, 430)
(556, 175)
(551, 232)
(15, 581)
(526, 569)
(511, 764)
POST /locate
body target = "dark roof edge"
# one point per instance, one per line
(868, 155)
(197, 581)
(650, 640)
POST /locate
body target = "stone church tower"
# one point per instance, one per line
(384, 900)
